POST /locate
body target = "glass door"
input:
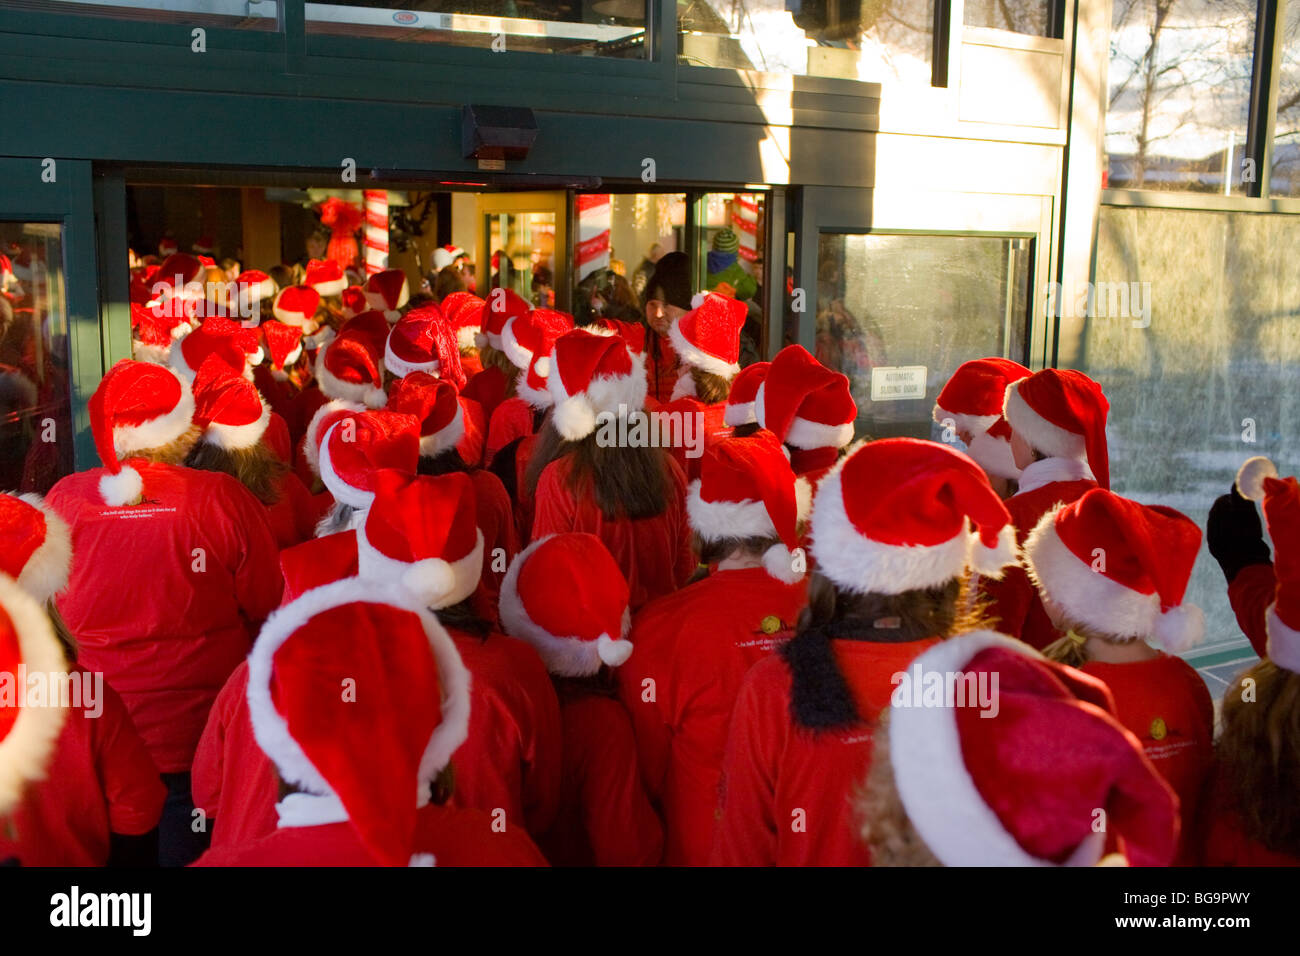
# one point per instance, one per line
(523, 245)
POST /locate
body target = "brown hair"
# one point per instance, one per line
(495, 358)
(715, 550)
(172, 453)
(448, 280)
(710, 388)
(61, 632)
(744, 431)
(1259, 755)
(882, 819)
(627, 482)
(258, 468)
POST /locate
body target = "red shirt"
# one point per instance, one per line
(787, 792)
(471, 444)
(294, 514)
(605, 817)
(488, 388)
(100, 780)
(695, 647)
(524, 504)
(510, 420)
(1251, 593)
(654, 553)
(1223, 834)
(496, 520)
(662, 369)
(166, 596)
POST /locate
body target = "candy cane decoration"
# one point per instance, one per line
(376, 201)
(594, 214)
(744, 218)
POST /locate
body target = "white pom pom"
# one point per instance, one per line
(375, 397)
(779, 562)
(124, 488)
(543, 366)
(1250, 479)
(429, 581)
(1180, 628)
(575, 419)
(697, 300)
(422, 859)
(612, 652)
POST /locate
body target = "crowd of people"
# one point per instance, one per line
(360, 581)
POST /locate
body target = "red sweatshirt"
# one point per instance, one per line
(1251, 593)
(694, 647)
(99, 781)
(488, 388)
(1223, 836)
(605, 817)
(525, 505)
(473, 441)
(654, 553)
(787, 791)
(294, 515)
(496, 519)
(166, 596)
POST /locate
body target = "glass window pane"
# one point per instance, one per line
(898, 314)
(1179, 95)
(35, 408)
(620, 238)
(231, 14)
(1032, 17)
(614, 28)
(871, 40)
(730, 257)
(523, 254)
(1286, 133)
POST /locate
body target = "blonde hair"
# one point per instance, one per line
(883, 824)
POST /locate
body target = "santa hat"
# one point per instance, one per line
(740, 408)
(436, 404)
(228, 408)
(35, 545)
(354, 301)
(1062, 413)
(565, 595)
(226, 339)
(136, 406)
(464, 310)
(708, 336)
(387, 292)
(28, 731)
(321, 420)
(973, 397)
(530, 383)
(325, 276)
(901, 514)
(992, 451)
(297, 305)
(179, 277)
(524, 337)
(501, 306)
(251, 287)
(591, 375)
(378, 750)
(151, 331)
(203, 244)
(1258, 480)
(446, 256)
(283, 344)
(804, 403)
(167, 246)
(424, 341)
(1020, 782)
(746, 489)
(350, 367)
(356, 446)
(1119, 567)
(422, 535)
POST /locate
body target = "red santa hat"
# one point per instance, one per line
(708, 336)
(565, 595)
(973, 397)
(226, 339)
(354, 301)
(424, 341)
(592, 375)
(446, 256)
(28, 731)
(387, 292)
(136, 406)
(524, 337)
(376, 751)
(501, 306)
(436, 404)
(992, 451)
(747, 489)
(421, 534)
(1258, 480)
(1119, 567)
(296, 305)
(1062, 413)
(1017, 780)
(901, 514)
(464, 310)
(740, 408)
(251, 287)
(325, 276)
(283, 345)
(804, 403)
(321, 420)
(351, 367)
(179, 277)
(151, 332)
(228, 408)
(35, 545)
(167, 246)
(356, 446)
(203, 244)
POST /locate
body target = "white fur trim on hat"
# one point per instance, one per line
(466, 338)
(31, 739)
(272, 732)
(330, 287)
(372, 396)
(941, 799)
(153, 354)
(963, 422)
(809, 435)
(1283, 647)
(235, 437)
(563, 656)
(739, 414)
(401, 368)
(537, 398)
(121, 489)
(803, 494)
(46, 572)
(1251, 475)
(692, 354)
(516, 353)
(159, 431)
(1090, 598)
(311, 438)
(340, 489)
(684, 387)
(1042, 435)
(431, 446)
(575, 416)
(433, 582)
(994, 455)
(717, 520)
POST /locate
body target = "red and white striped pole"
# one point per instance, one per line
(595, 211)
(376, 205)
(744, 218)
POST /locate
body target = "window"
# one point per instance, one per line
(36, 437)
(1286, 133)
(523, 254)
(231, 14)
(1179, 95)
(620, 237)
(1032, 17)
(897, 314)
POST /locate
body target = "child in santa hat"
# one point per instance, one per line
(970, 405)
(101, 797)
(1111, 574)
(808, 407)
(632, 498)
(566, 597)
(1058, 440)
(1249, 816)
(897, 525)
(362, 774)
(695, 645)
(191, 558)
(1012, 777)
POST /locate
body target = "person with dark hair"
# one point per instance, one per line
(897, 527)
(667, 297)
(446, 282)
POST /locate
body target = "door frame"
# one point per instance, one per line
(559, 202)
